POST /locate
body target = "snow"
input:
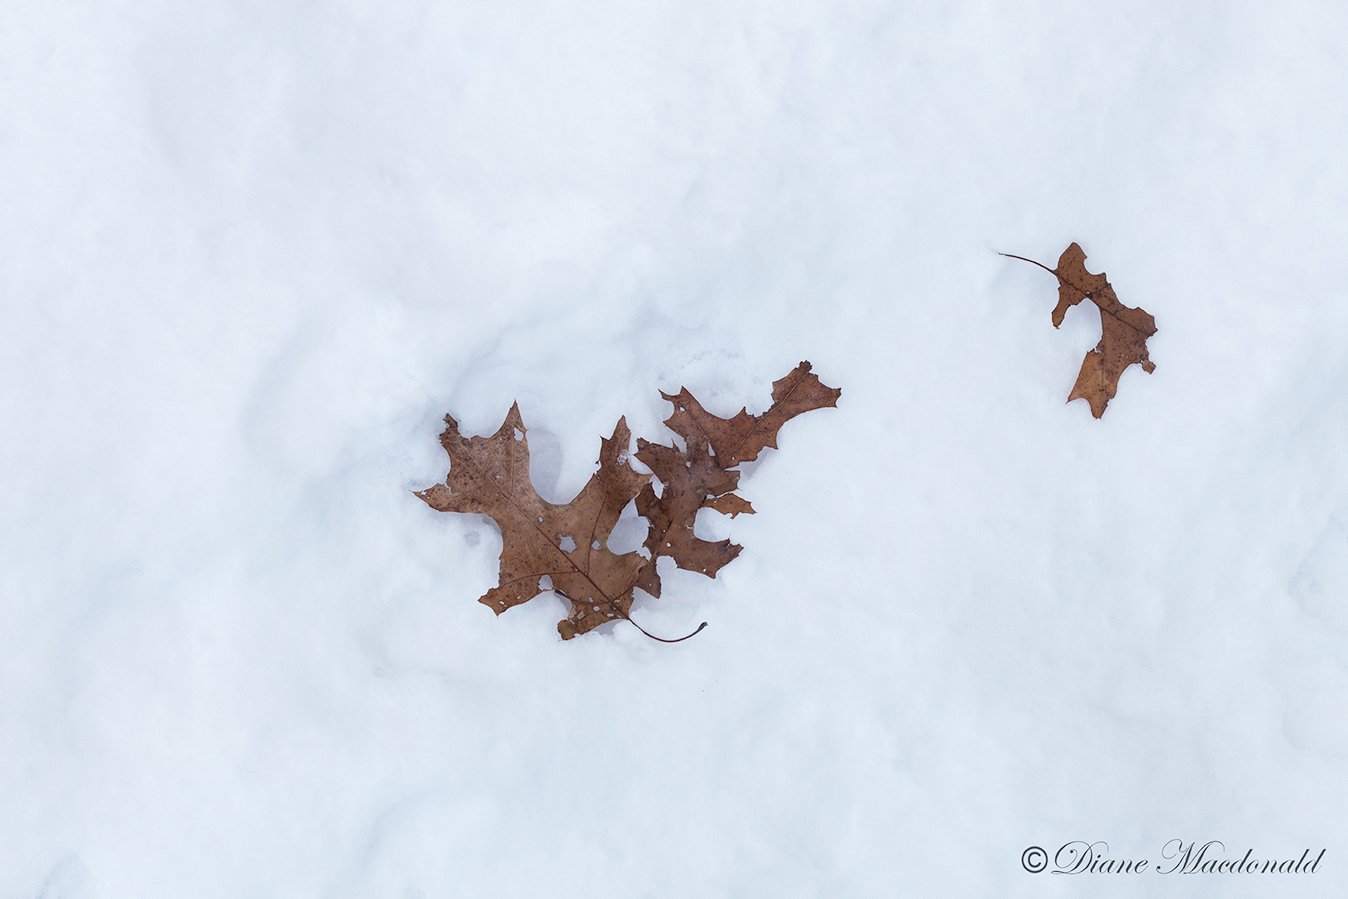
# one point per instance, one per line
(253, 252)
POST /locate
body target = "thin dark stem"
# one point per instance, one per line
(1085, 294)
(1031, 261)
(664, 640)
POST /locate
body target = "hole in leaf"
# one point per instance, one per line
(567, 543)
(629, 533)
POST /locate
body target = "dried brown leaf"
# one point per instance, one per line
(1123, 329)
(490, 475)
(742, 437)
(567, 544)
(690, 478)
(703, 475)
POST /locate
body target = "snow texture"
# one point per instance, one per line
(251, 252)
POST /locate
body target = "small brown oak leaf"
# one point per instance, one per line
(703, 474)
(1123, 329)
(690, 479)
(742, 437)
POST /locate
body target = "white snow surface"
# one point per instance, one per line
(252, 252)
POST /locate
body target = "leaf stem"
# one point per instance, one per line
(663, 639)
(1031, 261)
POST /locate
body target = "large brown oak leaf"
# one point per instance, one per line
(566, 544)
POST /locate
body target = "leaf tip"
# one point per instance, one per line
(436, 496)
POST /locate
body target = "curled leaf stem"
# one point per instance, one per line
(665, 639)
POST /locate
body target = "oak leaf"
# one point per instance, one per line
(566, 543)
(702, 474)
(1123, 329)
(565, 547)
(690, 479)
(742, 437)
